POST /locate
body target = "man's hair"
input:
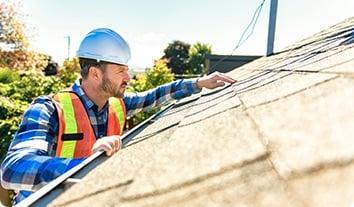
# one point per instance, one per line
(86, 63)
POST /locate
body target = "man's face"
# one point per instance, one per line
(115, 80)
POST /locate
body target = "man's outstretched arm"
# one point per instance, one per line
(136, 102)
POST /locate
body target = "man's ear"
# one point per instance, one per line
(95, 73)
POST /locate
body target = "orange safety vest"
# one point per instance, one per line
(76, 135)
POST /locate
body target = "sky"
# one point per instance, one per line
(148, 26)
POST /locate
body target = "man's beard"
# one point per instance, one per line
(108, 87)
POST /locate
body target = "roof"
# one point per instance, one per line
(281, 136)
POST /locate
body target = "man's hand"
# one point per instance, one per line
(214, 80)
(109, 144)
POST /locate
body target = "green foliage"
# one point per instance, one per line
(177, 54)
(34, 85)
(184, 59)
(4, 88)
(8, 76)
(197, 57)
(159, 74)
(140, 117)
(11, 108)
(10, 117)
(8, 128)
(70, 70)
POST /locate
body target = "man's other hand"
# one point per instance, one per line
(214, 80)
(109, 144)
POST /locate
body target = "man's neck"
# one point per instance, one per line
(94, 94)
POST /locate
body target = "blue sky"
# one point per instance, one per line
(149, 26)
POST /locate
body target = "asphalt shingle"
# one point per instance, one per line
(284, 84)
(300, 140)
(198, 150)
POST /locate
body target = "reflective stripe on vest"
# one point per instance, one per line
(76, 136)
(118, 115)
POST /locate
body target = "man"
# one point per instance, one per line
(58, 132)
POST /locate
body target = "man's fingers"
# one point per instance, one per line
(117, 144)
(220, 83)
(214, 80)
(109, 153)
(109, 144)
(225, 78)
(105, 147)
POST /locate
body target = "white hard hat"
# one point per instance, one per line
(104, 45)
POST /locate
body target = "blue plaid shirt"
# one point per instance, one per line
(30, 161)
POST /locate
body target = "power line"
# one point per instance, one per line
(251, 25)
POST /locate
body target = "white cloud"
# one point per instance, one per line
(146, 48)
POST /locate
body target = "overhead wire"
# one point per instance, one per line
(242, 40)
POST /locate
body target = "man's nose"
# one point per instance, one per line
(128, 75)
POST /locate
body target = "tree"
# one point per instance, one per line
(70, 71)
(197, 57)
(177, 54)
(14, 44)
(157, 75)
(12, 29)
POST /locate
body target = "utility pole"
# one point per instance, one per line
(68, 37)
(271, 26)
